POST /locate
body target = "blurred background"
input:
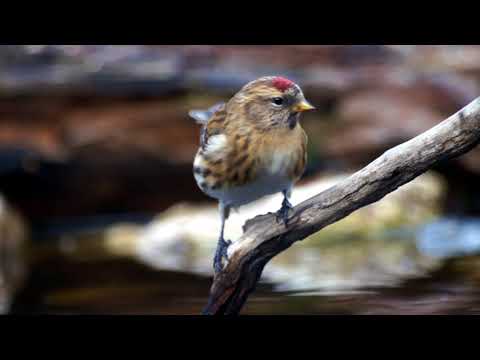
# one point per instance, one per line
(99, 211)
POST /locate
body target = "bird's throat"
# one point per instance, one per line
(292, 121)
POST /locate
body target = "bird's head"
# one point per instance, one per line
(271, 102)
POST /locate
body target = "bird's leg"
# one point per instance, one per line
(282, 214)
(222, 245)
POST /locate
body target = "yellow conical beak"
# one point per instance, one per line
(302, 106)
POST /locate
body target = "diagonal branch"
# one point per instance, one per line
(263, 237)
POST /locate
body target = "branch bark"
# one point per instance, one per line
(263, 238)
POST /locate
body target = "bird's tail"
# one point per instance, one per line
(202, 116)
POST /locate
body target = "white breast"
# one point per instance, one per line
(279, 163)
(273, 179)
(262, 186)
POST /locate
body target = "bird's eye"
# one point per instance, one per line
(277, 100)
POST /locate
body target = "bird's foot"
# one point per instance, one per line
(282, 214)
(220, 254)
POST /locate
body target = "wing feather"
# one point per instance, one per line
(211, 120)
(202, 116)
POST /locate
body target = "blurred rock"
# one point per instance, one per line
(89, 70)
(373, 120)
(370, 122)
(463, 59)
(13, 236)
(298, 56)
(154, 70)
(50, 154)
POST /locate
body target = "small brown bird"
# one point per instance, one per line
(250, 147)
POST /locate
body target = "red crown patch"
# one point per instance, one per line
(281, 83)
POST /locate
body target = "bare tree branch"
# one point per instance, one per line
(263, 237)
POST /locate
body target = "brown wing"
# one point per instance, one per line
(214, 126)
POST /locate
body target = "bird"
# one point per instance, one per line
(250, 147)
